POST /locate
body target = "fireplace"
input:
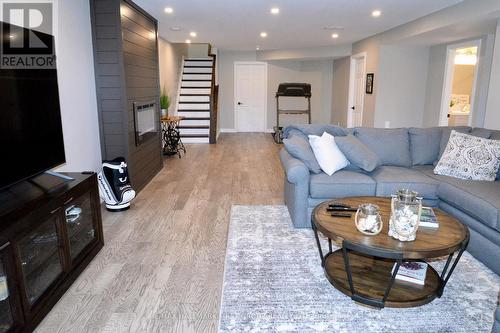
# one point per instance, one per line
(145, 122)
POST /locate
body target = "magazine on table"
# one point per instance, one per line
(414, 272)
(428, 218)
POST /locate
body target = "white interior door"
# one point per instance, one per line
(250, 96)
(357, 93)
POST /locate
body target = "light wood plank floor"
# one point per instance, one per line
(161, 269)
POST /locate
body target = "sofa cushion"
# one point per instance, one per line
(313, 129)
(481, 132)
(343, 183)
(391, 178)
(298, 146)
(424, 144)
(358, 153)
(479, 199)
(392, 145)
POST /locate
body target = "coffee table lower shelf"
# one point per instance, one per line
(372, 275)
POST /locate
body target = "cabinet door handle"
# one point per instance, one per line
(4, 246)
(68, 201)
(55, 210)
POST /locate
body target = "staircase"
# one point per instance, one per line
(196, 101)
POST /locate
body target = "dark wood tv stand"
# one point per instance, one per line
(50, 229)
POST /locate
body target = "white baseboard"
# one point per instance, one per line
(233, 130)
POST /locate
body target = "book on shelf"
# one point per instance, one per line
(428, 218)
(414, 272)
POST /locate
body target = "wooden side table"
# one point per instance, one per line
(172, 143)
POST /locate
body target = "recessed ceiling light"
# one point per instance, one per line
(175, 28)
(275, 10)
(192, 34)
(263, 34)
(188, 41)
(335, 35)
(376, 13)
(169, 10)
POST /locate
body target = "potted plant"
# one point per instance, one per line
(164, 102)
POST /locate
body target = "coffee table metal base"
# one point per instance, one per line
(367, 276)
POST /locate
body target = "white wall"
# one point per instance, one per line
(492, 116)
(435, 81)
(316, 72)
(401, 81)
(170, 63)
(340, 90)
(77, 91)
(226, 84)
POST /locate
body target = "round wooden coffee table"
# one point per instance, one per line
(363, 267)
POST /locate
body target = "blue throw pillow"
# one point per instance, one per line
(298, 146)
(358, 153)
(392, 145)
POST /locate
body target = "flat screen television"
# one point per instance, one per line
(31, 138)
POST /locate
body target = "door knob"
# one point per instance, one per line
(353, 108)
(239, 103)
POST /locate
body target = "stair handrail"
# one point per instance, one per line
(179, 85)
(214, 91)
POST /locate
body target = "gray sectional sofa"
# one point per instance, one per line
(406, 159)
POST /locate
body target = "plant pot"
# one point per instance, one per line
(164, 112)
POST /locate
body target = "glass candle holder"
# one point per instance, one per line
(406, 208)
(368, 220)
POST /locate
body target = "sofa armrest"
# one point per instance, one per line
(295, 170)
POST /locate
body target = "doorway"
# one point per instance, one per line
(356, 90)
(459, 88)
(250, 96)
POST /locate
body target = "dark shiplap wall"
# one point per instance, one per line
(126, 66)
(140, 58)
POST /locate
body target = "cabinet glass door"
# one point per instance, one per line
(80, 224)
(41, 260)
(6, 315)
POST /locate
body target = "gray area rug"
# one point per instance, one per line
(274, 283)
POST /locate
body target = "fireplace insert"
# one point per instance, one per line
(145, 121)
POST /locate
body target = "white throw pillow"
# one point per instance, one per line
(328, 155)
(469, 157)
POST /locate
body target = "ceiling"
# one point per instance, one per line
(237, 24)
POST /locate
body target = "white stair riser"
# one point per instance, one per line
(199, 91)
(197, 70)
(197, 63)
(185, 106)
(197, 76)
(195, 140)
(186, 84)
(194, 114)
(189, 122)
(194, 99)
(201, 131)
(198, 58)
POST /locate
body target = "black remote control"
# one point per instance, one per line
(338, 214)
(341, 209)
(338, 204)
